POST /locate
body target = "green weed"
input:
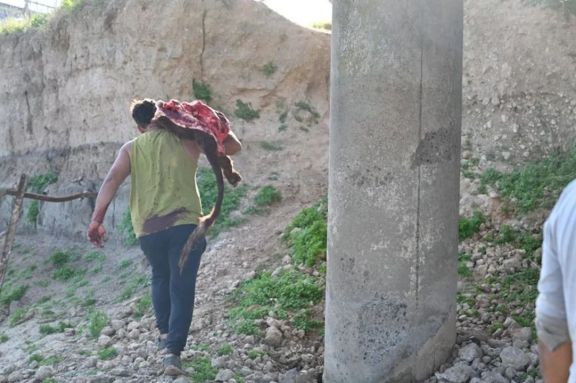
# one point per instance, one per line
(537, 184)
(519, 290)
(245, 111)
(143, 306)
(203, 370)
(51, 360)
(134, 284)
(60, 258)
(271, 146)
(463, 269)
(125, 264)
(201, 91)
(225, 349)
(269, 69)
(66, 273)
(127, 229)
(323, 25)
(47, 329)
(95, 256)
(96, 322)
(568, 7)
(107, 353)
(307, 234)
(36, 358)
(4, 338)
(467, 227)
(232, 199)
(305, 112)
(255, 354)
(33, 212)
(38, 183)
(290, 292)
(267, 196)
(17, 316)
(9, 294)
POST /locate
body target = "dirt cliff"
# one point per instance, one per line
(67, 88)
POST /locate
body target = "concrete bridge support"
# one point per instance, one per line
(393, 189)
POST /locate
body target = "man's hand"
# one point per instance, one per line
(96, 233)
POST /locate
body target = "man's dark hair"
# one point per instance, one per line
(143, 111)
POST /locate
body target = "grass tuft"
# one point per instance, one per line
(96, 322)
(307, 234)
(202, 91)
(536, 185)
(467, 227)
(245, 111)
(232, 199)
(289, 294)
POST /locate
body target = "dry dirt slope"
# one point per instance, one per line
(69, 84)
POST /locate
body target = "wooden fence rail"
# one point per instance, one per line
(20, 194)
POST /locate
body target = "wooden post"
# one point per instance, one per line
(11, 232)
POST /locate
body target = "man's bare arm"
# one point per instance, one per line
(555, 365)
(116, 175)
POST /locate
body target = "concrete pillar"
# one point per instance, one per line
(393, 189)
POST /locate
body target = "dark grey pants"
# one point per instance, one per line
(172, 292)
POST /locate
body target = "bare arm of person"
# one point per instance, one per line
(555, 365)
(116, 175)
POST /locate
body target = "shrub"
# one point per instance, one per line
(245, 111)
(127, 229)
(535, 185)
(60, 258)
(107, 353)
(232, 199)
(202, 91)
(271, 146)
(9, 295)
(267, 196)
(290, 292)
(269, 69)
(469, 226)
(307, 234)
(97, 321)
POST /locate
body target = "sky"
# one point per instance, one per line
(303, 12)
(34, 4)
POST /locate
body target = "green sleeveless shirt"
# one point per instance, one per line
(163, 189)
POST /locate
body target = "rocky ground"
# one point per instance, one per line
(498, 266)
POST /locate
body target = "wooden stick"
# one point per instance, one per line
(11, 232)
(47, 198)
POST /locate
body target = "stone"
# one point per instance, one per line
(43, 372)
(521, 334)
(120, 371)
(509, 372)
(16, 376)
(224, 375)
(117, 324)
(493, 377)
(515, 358)
(182, 379)
(470, 352)
(219, 362)
(459, 373)
(296, 376)
(100, 379)
(273, 337)
(104, 341)
(108, 330)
